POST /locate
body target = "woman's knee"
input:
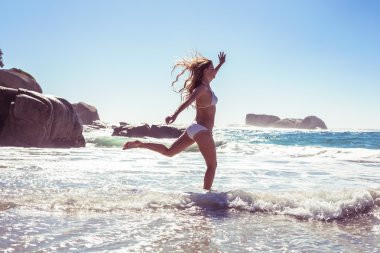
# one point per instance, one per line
(170, 152)
(212, 165)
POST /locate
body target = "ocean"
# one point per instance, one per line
(274, 191)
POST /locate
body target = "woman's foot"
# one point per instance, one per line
(132, 144)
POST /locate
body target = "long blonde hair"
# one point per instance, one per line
(195, 66)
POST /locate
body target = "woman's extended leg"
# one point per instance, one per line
(206, 145)
(179, 145)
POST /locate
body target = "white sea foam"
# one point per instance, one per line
(103, 138)
(290, 152)
(318, 205)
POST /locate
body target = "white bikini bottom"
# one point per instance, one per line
(193, 129)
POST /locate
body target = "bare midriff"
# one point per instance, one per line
(206, 116)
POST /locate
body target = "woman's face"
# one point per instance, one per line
(209, 73)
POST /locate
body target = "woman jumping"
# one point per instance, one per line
(196, 88)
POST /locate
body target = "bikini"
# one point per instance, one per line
(195, 128)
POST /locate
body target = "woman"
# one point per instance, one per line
(196, 88)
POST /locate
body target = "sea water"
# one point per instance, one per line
(274, 191)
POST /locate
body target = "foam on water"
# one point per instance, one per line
(295, 137)
(261, 143)
(104, 139)
(318, 205)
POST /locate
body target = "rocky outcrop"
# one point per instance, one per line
(162, 131)
(144, 130)
(262, 120)
(287, 123)
(30, 119)
(312, 122)
(87, 113)
(96, 125)
(16, 78)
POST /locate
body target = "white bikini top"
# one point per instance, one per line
(214, 100)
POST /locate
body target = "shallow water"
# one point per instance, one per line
(275, 190)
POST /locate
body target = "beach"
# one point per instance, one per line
(288, 88)
(275, 191)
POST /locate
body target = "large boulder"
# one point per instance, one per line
(16, 78)
(144, 130)
(132, 131)
(87, 113)
(312, 122)
(30, 119)
(261, 120)
(162, 131)
(287, 123)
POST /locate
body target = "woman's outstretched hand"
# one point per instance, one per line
(222, 57)
(170, 119)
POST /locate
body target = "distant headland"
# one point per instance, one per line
(263, 120)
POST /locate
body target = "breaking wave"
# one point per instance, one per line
(316, 205)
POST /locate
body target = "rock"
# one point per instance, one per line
(31, 119)
(312, 122)
(96, 125)
(99, 124)
(162, 131)
(261, 120)
(89, 128)
(87, 113)
(16, 78)
(155, 131)
(132, 131)
(287, 123)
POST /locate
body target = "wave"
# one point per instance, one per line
(108, 141)
(317, 205)
(354, 155)
(118, 142)
(365, 156)
(246, 138)
(321, 205)
(331, 139)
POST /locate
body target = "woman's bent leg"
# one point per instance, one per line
(178, 146)
(206, 145)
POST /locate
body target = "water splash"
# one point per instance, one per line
(317, 205)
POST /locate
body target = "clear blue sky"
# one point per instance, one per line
(287, 58)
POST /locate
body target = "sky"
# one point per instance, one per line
(289, 58)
